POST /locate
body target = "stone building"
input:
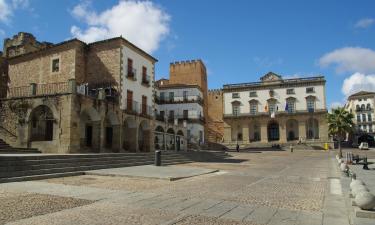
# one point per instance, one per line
(3, 76)
(182, 104)
(22, 43)
(361, 105)
(275, 111)
(77, 97)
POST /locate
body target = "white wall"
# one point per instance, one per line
(279, 94)
(351, 107)
(136, 86)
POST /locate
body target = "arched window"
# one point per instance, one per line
(368, 107)
(363, 107)
(236, 108)
(357, 108)
(310, 103)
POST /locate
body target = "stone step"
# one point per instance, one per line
(39, 177)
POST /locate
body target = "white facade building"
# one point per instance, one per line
(275, 110)
(362, 105)
(182, 104)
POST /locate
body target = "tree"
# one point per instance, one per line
(340, 122)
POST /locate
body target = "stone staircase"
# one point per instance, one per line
(5, 148)
(41, 166)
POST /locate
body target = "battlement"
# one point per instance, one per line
(215, 92)
(188, 63)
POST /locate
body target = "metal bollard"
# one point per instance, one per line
(157, 158)
(291, 148)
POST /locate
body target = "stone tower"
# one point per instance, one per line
(22, 43)
(191, 72)
(215, 123)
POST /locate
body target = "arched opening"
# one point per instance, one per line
(159, 138)
(90, 129)
(41, 124)
(129, 135)
(144, 136)
(112, 131)
(312, 129)
(170, 139)
(254, 132)
(273, 131)
(292, 130)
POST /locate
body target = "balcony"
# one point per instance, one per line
(135, 108)
(180, 99)
(131, 74)
(146, 80)
(40, 90)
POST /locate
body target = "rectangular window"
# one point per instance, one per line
(55, 65)
(364, 128)
(130, 68)
(145, 79)
(162, 114)
(370, 128)
(363, 117)
(291, 106)
(171, 115)
(185, 95)
(144, 105)
(235, 95)
(236, 110)
(272, 108)
(162, 96)
(290, 91)
(253, 94)
(186, 114)
(310, 105)
(358, 118)
(310, 90)
(369, 117)
(253, 108)
(171, 96)
(129, 100)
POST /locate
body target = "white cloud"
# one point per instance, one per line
(5, 11)
(350, 59)
(141, 22)
(365, 23)
(358, 82)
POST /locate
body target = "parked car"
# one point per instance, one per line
(363, 146)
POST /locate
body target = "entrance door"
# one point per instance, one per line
(273, 132)
(178, 144)
(88, 135)
(49, 130)
(108, 136)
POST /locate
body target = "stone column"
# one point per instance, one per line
(302, 129)
(263, 132)
(282, 130)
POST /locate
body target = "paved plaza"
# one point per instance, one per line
(258, 188)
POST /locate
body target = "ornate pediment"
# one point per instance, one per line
(270, 76)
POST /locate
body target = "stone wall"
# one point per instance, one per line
(215, 123)
(103, 62)
(37, 67)
(3, 76)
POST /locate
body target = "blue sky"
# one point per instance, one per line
(239, 41)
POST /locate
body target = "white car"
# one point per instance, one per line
(363, 146)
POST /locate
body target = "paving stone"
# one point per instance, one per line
(203, 205)
(219, 209)
(284, 217)
(183, 205)
(261, 215)
(239, 213)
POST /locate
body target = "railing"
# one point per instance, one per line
(23, 91)
(131, 74)
(146, 80)
(108, 90)
(135, 108)
(52, 88)
(179, 99)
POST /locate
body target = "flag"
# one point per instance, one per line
(286, 107)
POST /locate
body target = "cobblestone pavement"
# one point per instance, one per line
(251, 188)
